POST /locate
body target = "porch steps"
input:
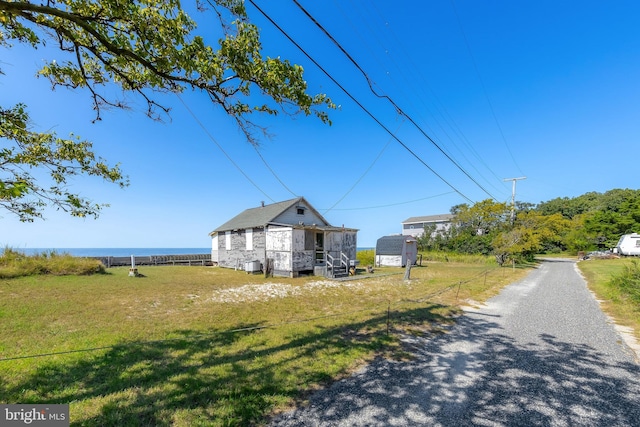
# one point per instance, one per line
(340, 272)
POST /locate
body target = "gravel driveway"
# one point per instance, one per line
(541, 353)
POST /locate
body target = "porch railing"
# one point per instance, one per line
(337, 265)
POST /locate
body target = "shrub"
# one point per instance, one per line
(366, 257)
(456, 257)
(16, 264)
(628, 281)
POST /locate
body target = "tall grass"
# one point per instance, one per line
(455, 257)
(17, 264)
(616, 282)
(366, 257)
(628, 282)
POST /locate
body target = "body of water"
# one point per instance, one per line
(105, 252)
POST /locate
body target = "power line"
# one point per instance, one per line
(273, 172)
(363, 174)
(388, 98)
(231, 160)
(438, 105)
(484, 88)
(395, 204)
(356, 101)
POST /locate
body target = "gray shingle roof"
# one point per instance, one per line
(391, 245)
(428, 218)
(256, 217)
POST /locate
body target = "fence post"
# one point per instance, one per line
(407, 272)
(388, 316)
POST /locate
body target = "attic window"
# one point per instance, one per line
(300, 210)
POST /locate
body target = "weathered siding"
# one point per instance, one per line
(302, 257)
(290, 250)
(278, 243)
(341, 241)
(291, 216)
(238, 255)
(389, 260)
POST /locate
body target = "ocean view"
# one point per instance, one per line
(116, 252)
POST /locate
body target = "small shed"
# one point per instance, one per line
(396, 251)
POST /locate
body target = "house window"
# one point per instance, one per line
(227, 240)
(249, 239)
(300, 211)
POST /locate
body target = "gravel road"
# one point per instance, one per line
(541, 353)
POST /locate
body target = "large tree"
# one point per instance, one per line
(474, 226)
(145, 47)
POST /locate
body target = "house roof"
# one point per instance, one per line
(258, 217)
(428, 218)
(391, 245)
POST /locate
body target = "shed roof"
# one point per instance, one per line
(392, 245)
(258, 217)
(428, 218)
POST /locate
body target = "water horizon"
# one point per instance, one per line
(114, 252)
(120, 252)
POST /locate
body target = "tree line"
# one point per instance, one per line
(592, 221)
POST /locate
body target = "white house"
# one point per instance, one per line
(416, 225)
(289, 238)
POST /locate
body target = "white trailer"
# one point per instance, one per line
(629, 244)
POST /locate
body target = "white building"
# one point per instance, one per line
(291, 235)
(416, 225)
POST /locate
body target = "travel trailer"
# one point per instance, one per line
(629, 244)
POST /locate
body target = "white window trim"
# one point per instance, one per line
(249, 239)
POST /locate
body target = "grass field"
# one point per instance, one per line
(615, 302)
(190, 346)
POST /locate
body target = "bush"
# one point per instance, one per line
(17, 264)
(366, 257)
(628, 282)
(456, 257)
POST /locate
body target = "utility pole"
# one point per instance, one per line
(513, 196)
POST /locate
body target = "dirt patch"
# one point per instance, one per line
(267, 291)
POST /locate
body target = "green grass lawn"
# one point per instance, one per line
(598, 273)
(190, 346)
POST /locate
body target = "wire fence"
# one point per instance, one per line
(387, 307)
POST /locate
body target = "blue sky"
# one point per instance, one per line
(543, 89)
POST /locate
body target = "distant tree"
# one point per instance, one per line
(473, 227)
(145, 48)
(532, 233)
(432, 239)
(577, 238)
(455, 209)
(524, 206)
